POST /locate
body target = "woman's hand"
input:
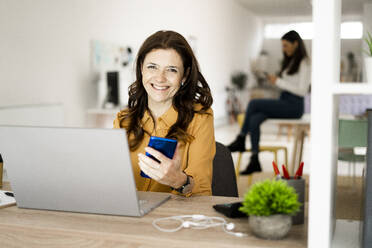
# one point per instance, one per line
(167, 172)
(272, 79)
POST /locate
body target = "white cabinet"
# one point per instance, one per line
(101, 118)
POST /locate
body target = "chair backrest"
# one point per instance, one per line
(352, 133)
(224, 180)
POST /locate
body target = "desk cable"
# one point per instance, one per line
(197, 221)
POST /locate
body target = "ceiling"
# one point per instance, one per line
(282, 8)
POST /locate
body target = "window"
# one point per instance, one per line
(349, 30)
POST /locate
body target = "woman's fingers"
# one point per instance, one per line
(177, 153)
(148, 170)
(149, 161)
(158, 155)
(165, 172)
(154, 169)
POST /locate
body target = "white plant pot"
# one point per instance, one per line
(270, 227)
(368, 64)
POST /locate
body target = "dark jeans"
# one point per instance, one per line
(288, 106)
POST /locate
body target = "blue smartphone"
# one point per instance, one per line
(163, 145)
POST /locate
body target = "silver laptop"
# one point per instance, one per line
(73, 169)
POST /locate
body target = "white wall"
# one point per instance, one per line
(367, 17)
(367, 26)
(273, 46)
(45, 53)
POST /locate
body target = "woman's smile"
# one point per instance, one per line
(159, 88)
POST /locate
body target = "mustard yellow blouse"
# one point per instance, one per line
(197, 156)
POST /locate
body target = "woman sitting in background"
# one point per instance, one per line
(294, 80)
(170, 98)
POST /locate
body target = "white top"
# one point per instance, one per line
(299, 82)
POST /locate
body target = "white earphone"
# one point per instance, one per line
(197, 221)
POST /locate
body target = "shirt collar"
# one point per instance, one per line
(146, 117)
(169, 117)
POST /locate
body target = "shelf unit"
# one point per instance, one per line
(326, 89)
(352, 89)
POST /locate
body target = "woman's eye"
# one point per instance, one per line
(151, 67)
(173, 70)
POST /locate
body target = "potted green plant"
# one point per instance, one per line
(270, 205)
(368, 59)
(234, 97)
(239, 80)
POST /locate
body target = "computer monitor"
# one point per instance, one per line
(113, 87)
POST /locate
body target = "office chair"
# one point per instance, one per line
(351, 134)
(223, 180)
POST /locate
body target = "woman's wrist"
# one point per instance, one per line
(186, 186)
(182, 179)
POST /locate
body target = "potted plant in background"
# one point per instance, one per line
(234, 97)
(270, 205)
(239, 80)
(368, 59)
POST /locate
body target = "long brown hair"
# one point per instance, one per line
(194, 90)
(294, 61)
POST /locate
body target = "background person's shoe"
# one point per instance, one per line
(238, 144)
(253, 166)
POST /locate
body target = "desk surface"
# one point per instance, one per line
(40, 228)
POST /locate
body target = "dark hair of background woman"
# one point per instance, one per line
(293, 61)
(194, 90)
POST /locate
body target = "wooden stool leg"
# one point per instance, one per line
(237, 169)
(250, 180)
(307, 133)
(302, 137)
(286, 157)
(279, 131)
(295, 150)
(289, 133)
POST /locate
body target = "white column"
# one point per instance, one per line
(325, 73)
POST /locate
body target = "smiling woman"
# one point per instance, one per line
(170, 98)
(162, 76)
